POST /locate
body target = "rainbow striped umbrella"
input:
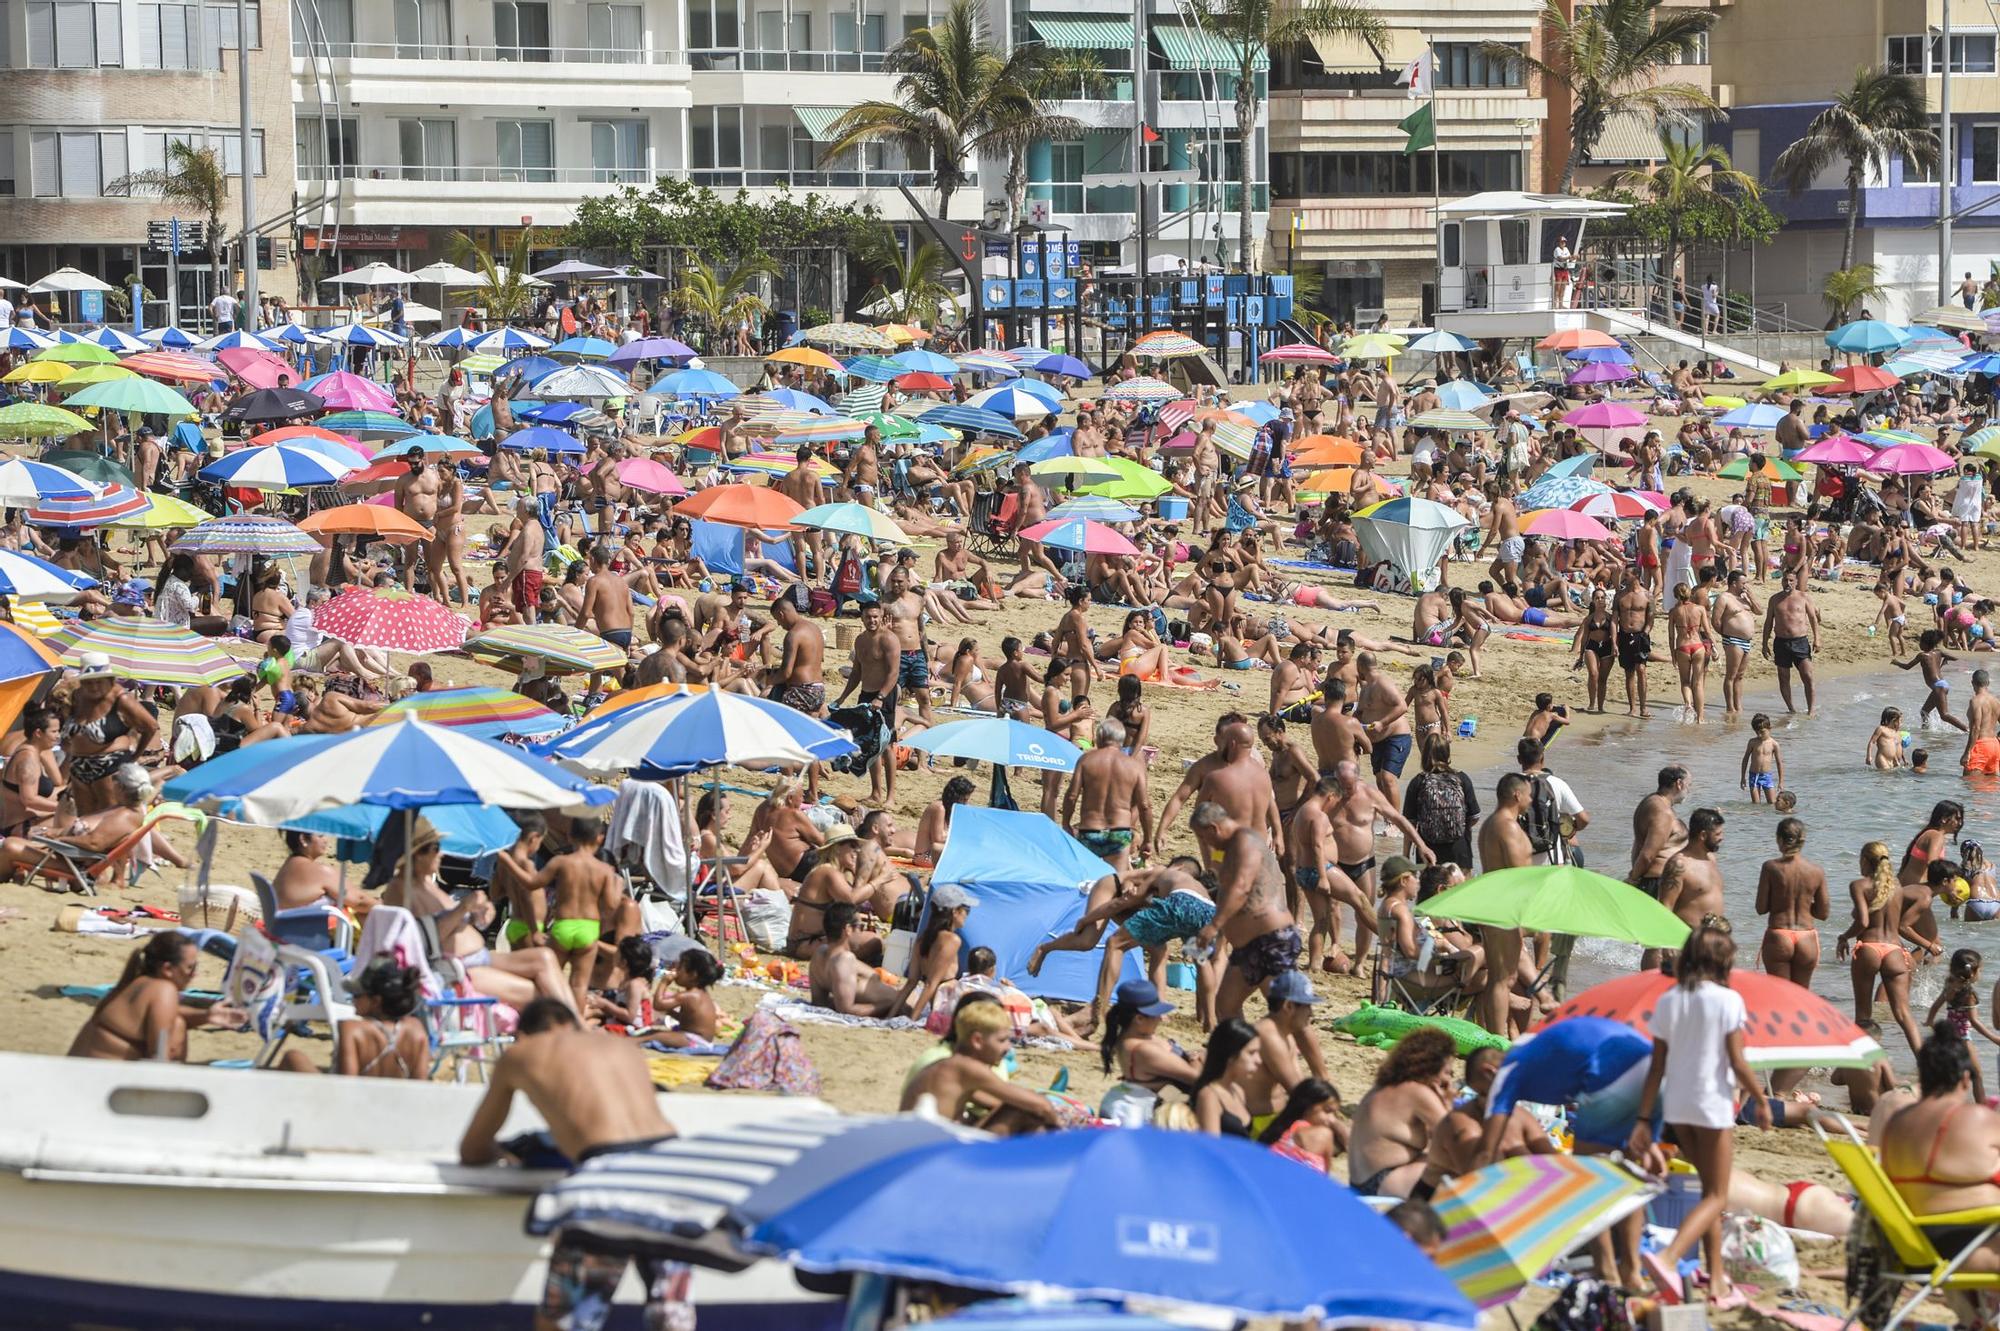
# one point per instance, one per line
(1508, 1223)
(149, 651)
(562, 649)
(247, 534)
(173, 365)
(479, 710)
(1142, 389)
(1167, 344)
(1445, 418)
(822, 429)
(96, 510)
(763, 464)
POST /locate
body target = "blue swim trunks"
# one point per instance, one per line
(1763, 781)
(914, 671)
(1177, 915)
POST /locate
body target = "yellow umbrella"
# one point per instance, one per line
(1799, 379)
(1723, 401)
(1373, 346)
(37, 372)
(806, 356)
(166, 511)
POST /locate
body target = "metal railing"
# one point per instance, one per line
(733, 59)
(733, 177)
(526, 55)
(548, 175)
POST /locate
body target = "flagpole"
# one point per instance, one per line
(1437, 183)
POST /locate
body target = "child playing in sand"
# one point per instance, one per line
(1959, 1000)
(1933, 658)
(1763, 771)
(690, 1004)
(1885, 742)
(1891, 615)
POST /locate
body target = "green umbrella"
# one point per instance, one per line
(34, 420)
(76, 353)
(93, 467)
(141, 395)
(1560, 899)
(1775, 468)
(1135, 481)
(893, 426)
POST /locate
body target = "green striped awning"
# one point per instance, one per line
(1084, 34)
(818, 120)
(1197, 48)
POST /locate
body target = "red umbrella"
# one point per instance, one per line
(395, 621)
(741, 506)
(1862, 379)
(1790, 1026)
(1576, 339)
(922, 381)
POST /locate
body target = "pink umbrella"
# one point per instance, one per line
(1605, 416)
(1563, 524)
(1301, 352)
(648, 475)
(1912, 460)
(1092, 538)
(1614, 505)
(258, 369)
(395, 621)
(342, 391)
(1837, 450)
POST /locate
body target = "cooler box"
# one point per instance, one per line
(1173, 508)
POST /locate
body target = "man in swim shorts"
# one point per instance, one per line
(587, 894)
(1249, 910)
(1982, 727)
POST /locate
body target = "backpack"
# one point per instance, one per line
(1541, 822)
(767, 1056)
(1586, 1305)
(1440, 811)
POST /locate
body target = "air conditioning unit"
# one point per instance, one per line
(1725, 95)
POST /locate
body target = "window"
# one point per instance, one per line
(1453, 237)
(177, 35)
(717, 143)
(75, 163)
(618, 149)
(1986, 154)
(1066, 176)
(1928, 174)
(1971, 53)
(423, 29)
(73, 34)
(526, 149)
(429, 148)
(331, 21)
(219, 29)
(713, 25)
(615, 33)
(230, 144)
(1468, 65)
(326, 148)
(1905, 55)
(1697, 56)
(7, 62)
(521, 29)
(1389, 174)
(7, 189)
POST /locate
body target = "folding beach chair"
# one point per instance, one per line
(1426, 990)
(66, 865)
(992, 522)
(1908, 1235)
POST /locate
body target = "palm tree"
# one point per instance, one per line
(1847, 287)
(911, 285)
(1881, 115)
(719, 299)
(1608, 58)
(1253, 27)
(1042, 74)
(956, 94)
(508, 294)
(1686, 174)
(192, 178)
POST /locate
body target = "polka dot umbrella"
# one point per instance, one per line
(1790, 1026)
(395, 621)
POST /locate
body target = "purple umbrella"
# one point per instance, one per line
(650, 348)
(1602, 372)
(1837, 450)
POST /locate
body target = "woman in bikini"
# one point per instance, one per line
(1146, 1061)
(967, 671)
(711, 816)
(269, 606)
(384, 1038)
(107, 728)
(1593, 643)
(1943, 1152)
(143, 1016)
(1137, 649)
(1927, 848)
(305, 878)
(1791, 894)
(1132, 712)
(1222, 1093)
(1688, 638)
(31, 784)
(1878, 935)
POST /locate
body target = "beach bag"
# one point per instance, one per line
(1540, 821)
(768, 917)
(1587, 1304)
(1755, 1248)
(767, 1056)
(255, 981)
(1440, 810)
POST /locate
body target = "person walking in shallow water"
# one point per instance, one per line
(1792, 897)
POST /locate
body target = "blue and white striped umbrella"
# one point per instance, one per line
(511, 339)
(360, 335)
(406, 766)
(110, 338)
(20, 337)
(1979, 362)
(240, 337)
(1257, 413)
(1928, 359)
(26, 576)
(1462, 395)
(875, 369)
(697, 383)
(284, 333)
(1598, 356)
(1014, 403)
(961, 417)
(1060, 444)
(24, 484)
(1558, 492)
(339, 454)
(926, 362)
(274, 467)
(682, 733)
(170, 338)
(459, 336)
(989, 362)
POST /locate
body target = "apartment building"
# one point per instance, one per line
(1348, 205)
(93, 90)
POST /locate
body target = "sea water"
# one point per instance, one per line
(1843, 804)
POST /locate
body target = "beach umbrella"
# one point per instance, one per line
(821, 430)
(1372, 346)
(853, 520)
(1001, 741)
(1135, 481)
(1558, 492)
(1300, 353)
(1790, 1026)
(1462, 395)
(1912, 460)
(1929, 360)
(1572, 339)
(859, 336)
(1985, 442)
(1561, 899)
(391, 619)
(742, 506)
(1605, 416)
(1176, 1217)
(1412, 534)
(574, 269)
(92, 374)
(1143, 390)
(545, 437)
(38, 420)
(1013, 403)
(1449, 420)
(650, 349)
(510, 339)
(1890, 438)
(1580, 465)
(958, 416)
(38, 372)
(69, 279)
(20, 337)
(23, 655)
(1615, 505)
(447, 274)
(1861, 379)
(648, 476)
(247, 534)
(1836, 450)
(345, 391)
(367, 423)
(274, 467)
(1599, 355)
(378, 521)
(1866, 336)
(172, 365)
(562, 650)
(922, 381)
(134, 395)
(1954, 317)
(1793, 380)
(686, 732)
(93, 467)
(340, 453)
(1979, 362)
(371, 275)
(453, 339)
(1508, 1223)
(1096, 508)
(1080, 534)
(926, 362)
(1564, 524)
(786, 399)
(1601, 372)
(1333, 480)
(590, 348)
(241, 339)
(164, 511)
(479, 710)
(78, 352)
(1439, 340)
(1923, 335)
(1257, 413)
(273, 404)
(809, 357)
(96, 510)
(894, 427)
(1775, 469)
(1090, 470)
(148, 651)
(112, 339)
(1069, 367)
(581, 381)
(408, 767)
(360, 335)
(874, 369)
(25, 575)
(1722, 401)
(482, 362)
(23, 482)
(1167, 345)
(1757, 416)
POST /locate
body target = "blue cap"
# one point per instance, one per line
(1145, 996)
(1291, 987)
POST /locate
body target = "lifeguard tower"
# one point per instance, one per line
(1499, 275)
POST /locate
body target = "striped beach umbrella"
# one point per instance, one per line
(478, 710)
(20, 337)
(925, 362)
(345, 391)
(511, 339)
(1615, 505)
(274, 467)
(1450, 420)
(149, 651)
(1507, 1224)
(1095, 507)
(1016, 402)
(1558, 492)
(989, 362)
(23, 483)
(112, 339)
(247, 534)
(38, 420)
(958, 416)
(853, 520)
(173, 366)
(562, 650)
(1142, 389)
(25, 575)
(1167, 344)
(240, 338)
(94, 510)
(875, 369)
(685, 732)
(821, 430)
(164, 511)
(360, 335)
(367, 424)
(762, 464)
(1300, 353)
(23, 654)
(859, 337)
(391, 619)
(581, 381)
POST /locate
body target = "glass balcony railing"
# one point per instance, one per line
(754, 177)
(539, 175)
(530, 55)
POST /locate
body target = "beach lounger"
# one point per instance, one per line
(66, 865)
(1907, 1235)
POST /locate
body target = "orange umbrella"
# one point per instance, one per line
(904, 333)
(1337, 482)
(806, 356)
(627, 697)
(1576, 339)
(365, 520)
(1329, 452)
(741, 506)
(708, 436)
